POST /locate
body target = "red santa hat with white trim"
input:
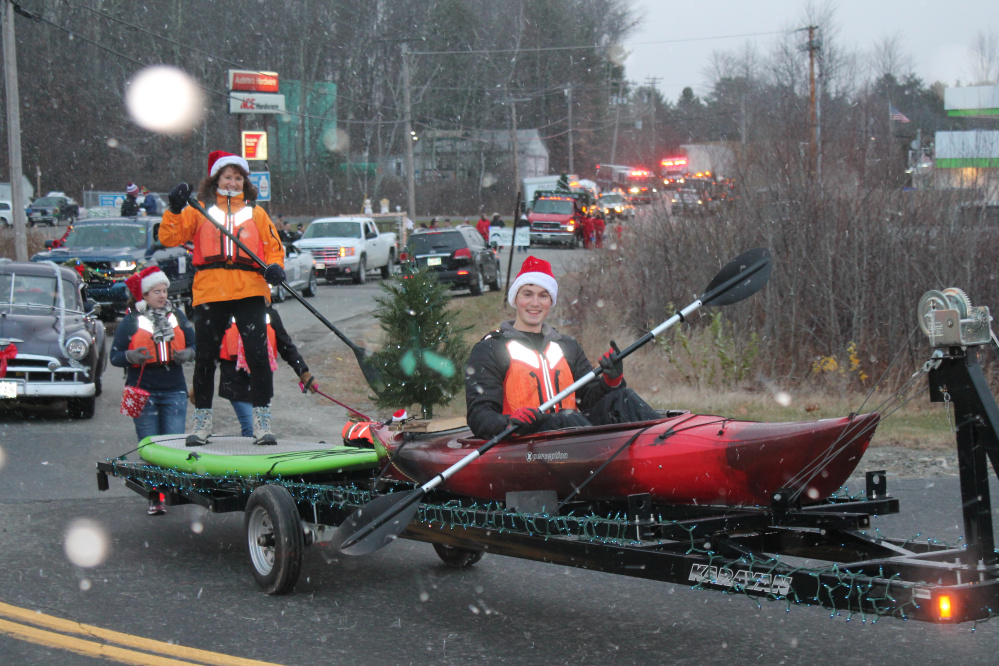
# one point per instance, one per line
(141, 282)
(537, 272)
(217, 159)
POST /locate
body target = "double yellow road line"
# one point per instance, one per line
(105, 644)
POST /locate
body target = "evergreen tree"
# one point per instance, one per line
(424, 356)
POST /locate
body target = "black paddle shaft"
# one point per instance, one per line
(371, 373)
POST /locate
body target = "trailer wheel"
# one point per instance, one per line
(275, 538)
(459, 558)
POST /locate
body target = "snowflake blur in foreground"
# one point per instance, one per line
(86, 543)
(164, 99)
(783, 398)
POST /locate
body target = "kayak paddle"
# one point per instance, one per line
(382, 520)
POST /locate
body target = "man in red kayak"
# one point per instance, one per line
(514, 370)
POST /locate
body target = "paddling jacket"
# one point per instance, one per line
(224, 272)
(235, 384)
(506, 370)
(156, 377)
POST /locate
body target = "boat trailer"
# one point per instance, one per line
(817, 554)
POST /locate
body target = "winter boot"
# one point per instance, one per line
(262, 435)
(202, 427)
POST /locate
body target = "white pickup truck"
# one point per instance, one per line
(349, 247)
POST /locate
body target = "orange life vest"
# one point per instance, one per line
(230, 342)
(163, 351)
(212, 249)
(533, 379)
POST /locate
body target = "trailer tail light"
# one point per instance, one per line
(462, 272)
(944, 607)
(403, 256)
(463, 253)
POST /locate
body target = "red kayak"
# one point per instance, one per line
(682, 459)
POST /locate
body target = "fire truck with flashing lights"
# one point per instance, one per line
(637, 183)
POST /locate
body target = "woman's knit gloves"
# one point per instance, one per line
(138, 356)
(185, 355)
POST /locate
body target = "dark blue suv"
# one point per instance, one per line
(108, 250)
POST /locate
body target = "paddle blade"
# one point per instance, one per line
(372, 373)
(741, 278)
(377, 524)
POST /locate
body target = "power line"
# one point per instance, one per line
(540, 49)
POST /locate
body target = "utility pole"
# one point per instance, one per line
(14, 134)
(408, 140)
(617, 121)
(513, 135)
(651, 82)
(813, 46)
(568, 94)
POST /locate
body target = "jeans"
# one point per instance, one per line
(244, 412)
(164, 414)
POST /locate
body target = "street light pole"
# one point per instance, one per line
(14, 135)
(568, 94)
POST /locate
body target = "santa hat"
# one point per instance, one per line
(399, 415)
(132, 189)
(217, 159)
(534, 271)
(141, 282)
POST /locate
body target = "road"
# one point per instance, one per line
(178, 582)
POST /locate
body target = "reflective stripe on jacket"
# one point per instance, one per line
(230, 342)
(162, 351)
(535, 378)
(211, 246)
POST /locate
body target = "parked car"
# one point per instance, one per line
(60, 344)
(458, 255)
(300, 274)
(349, 247)
(108, 250)
(55, 208)
(616, 205)
(6, 214)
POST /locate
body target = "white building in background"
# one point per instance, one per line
(969, 159)
(465, 155)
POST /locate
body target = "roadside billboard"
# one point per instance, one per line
(262, 181)
(253, 81)
(244, 102)
(254, 145)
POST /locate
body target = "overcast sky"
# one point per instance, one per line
(936, 34)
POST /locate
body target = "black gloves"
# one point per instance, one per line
(613, 369)
(178, 197)
(528, 420)
(185, 355)
(138, 356)
(274, 274)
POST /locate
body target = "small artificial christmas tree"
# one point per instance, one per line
(424, 355)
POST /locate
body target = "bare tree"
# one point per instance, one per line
(984, 66)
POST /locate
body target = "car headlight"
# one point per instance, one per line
(77, 348)
(346, 252)
(125, 265)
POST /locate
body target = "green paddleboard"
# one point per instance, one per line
(238, 456)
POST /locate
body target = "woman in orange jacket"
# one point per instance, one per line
(228, 284)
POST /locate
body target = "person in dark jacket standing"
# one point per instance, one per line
(235, 381)
(151, 343)
(514, 370)
(130, 207)
(149, 202)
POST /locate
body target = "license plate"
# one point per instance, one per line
(8, 389)
(547, 235)
(320, 265)
(433, 261)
